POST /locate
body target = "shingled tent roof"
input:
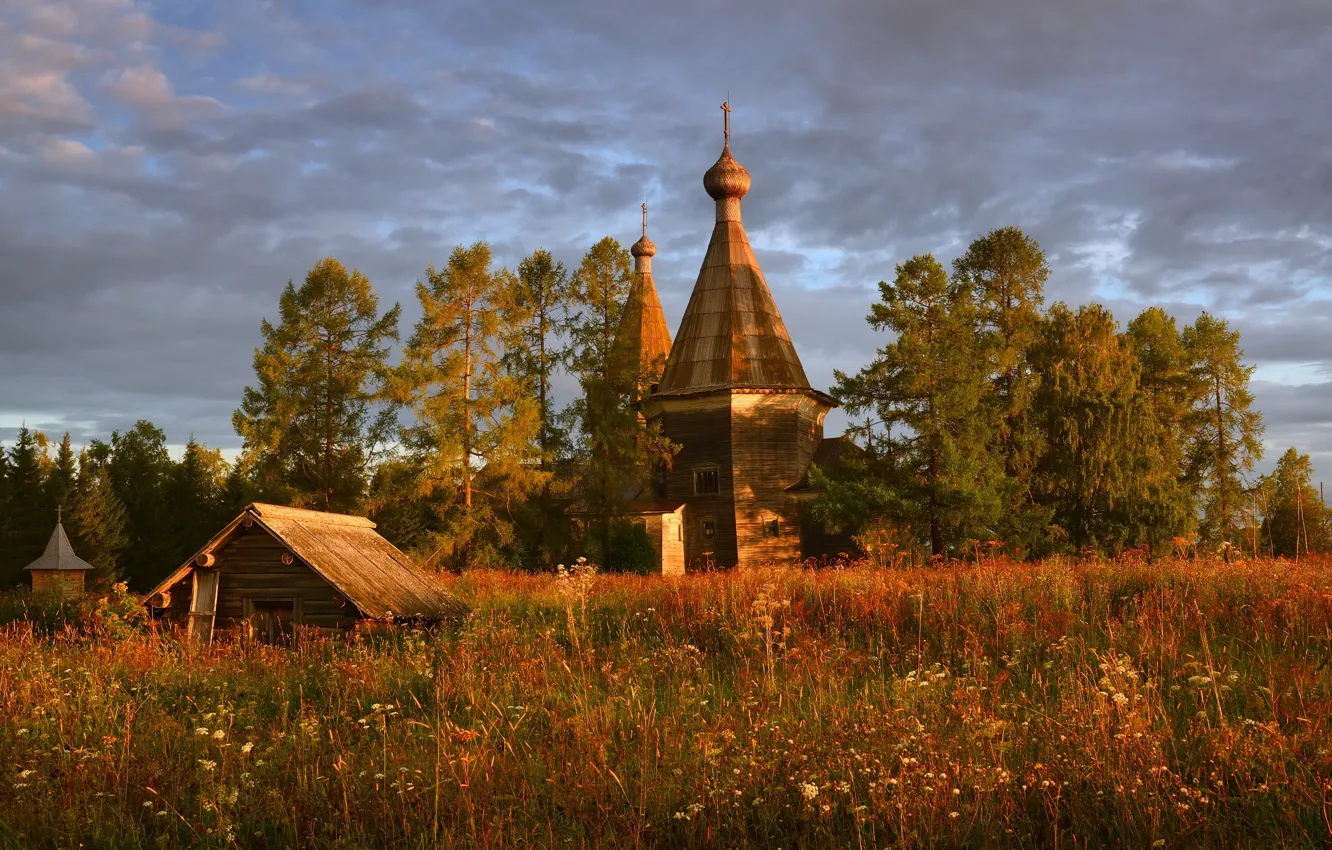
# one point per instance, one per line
(59, 554)
(732, 335)
(346, 550)
(643, 328)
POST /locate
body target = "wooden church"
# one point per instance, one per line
(734, 397)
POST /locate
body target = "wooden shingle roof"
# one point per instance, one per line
(346, 550)
(732, 335)
(643, 329)
(59, 554)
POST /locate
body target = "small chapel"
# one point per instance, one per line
(734, 398)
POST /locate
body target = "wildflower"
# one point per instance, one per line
(207, 765)
(201, 731)
(147, 804)
(809, 790)
(219, 735)
(26, 773)
(954, 815)
(162, 813)
(1120, 699)
(247, 747)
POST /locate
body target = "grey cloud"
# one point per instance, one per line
(163, 179)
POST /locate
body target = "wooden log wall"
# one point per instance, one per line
(251, 567)
(702, 428)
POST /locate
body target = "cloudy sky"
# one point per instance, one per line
(165, 167)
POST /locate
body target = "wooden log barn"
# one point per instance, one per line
(274, 570)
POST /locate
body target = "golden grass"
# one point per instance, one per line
(1186, 702)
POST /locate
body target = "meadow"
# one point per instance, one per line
(1183, 703)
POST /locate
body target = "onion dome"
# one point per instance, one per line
(726, 178)
(643, 247)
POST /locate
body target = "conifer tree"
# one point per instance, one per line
(617, 451)
(195, 489)
(542, 291)
(98, 523)
(30, 516)
(1165, 510)
(139, 469)
(313, 425)
(1005, 272)
(60, 484)
(923, 392)
(1296, 522)
(1092, 418)
(1224, 429)
(476, 421)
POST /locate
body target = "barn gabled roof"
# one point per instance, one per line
(346, 551)
(59, 554)
(732, 335)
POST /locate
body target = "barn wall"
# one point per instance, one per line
(250, 566)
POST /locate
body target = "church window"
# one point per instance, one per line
(706, 480)
(709, 529)
(771, 528)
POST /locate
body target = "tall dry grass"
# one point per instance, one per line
(1186, 703)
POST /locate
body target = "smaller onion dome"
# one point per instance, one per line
(644, 247)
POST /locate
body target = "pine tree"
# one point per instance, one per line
(1224, 429)
(923, 391)
(476, 421)
(1005, 272)
(617, 451)
(98, 523)
(313, 424)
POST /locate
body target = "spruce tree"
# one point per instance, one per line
(60, 484)
(30, 515)
(98, 523)
(313, 424)
(139, 469)
(196, 489)
(1224, 429)
(476, 422)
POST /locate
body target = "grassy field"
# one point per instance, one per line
(1176, 704)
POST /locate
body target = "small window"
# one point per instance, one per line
(706, 481)
(771, 528)
(679, 532)
(709, 529)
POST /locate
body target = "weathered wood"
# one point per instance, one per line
(205, 559)
(203, 605)
(333, 570)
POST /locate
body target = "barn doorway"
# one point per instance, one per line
(271, 621)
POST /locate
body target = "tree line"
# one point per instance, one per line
(986, 417)
(989, 417)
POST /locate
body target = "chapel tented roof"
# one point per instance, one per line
(59, 554)
(732, 335)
